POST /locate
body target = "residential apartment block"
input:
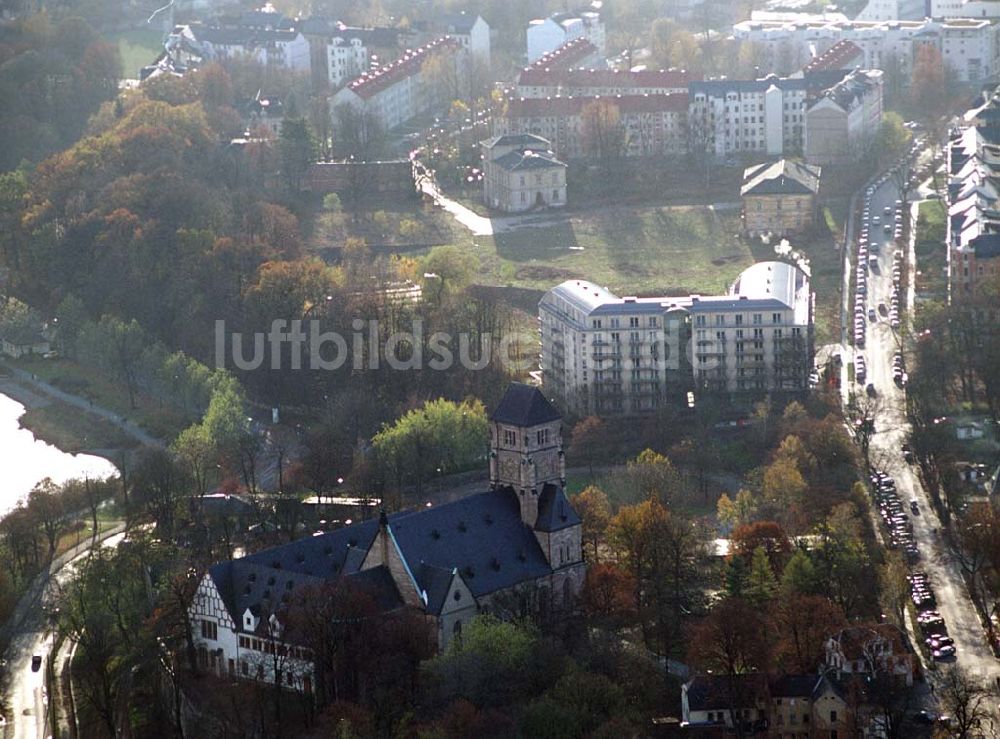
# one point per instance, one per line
(268, 46)
(544, 81)
(520, 172)
(606, 355)
(576, 54)
(396, 92)
(843, 121)
(761, 117)
(779, 198)
(970, 47)
(470, 30)
(548, 34)
(651, 125)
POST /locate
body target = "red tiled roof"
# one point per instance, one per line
(407, 65)
(562, 106)
(548, 77)
(564, 57)
(838, 56)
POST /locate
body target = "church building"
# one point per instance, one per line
(513, 548)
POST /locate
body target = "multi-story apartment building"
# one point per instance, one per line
(346, 58)
(266, 46)
(578, 53)
(341, 52)
(758, 117)
(548, 34)
(468, 29)
(544, 81)
(520, 172)
(396, 92)
(970, 47)
(842, 122)
(606, 355)
(650, 125)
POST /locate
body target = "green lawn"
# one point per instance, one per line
(138, 47)
(641, 250)
(932, 259)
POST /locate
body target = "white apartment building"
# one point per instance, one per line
(280, 48)
(970, 47)
(964, 9)
(545, 35)
(394, 93)
(759, 117)
(346, 58)
(606, 355)
(893, 10)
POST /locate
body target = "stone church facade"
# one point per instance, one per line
(513, 549)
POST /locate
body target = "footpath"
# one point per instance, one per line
(34, 383)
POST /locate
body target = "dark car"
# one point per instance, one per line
(870, 390)
(36, 663)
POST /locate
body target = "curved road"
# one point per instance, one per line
(25, 691)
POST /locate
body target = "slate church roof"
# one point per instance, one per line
(524, 405)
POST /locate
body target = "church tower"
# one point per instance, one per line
(526, 447)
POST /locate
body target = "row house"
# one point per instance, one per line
(606, 355)
(396, 92)
(969, 47)
(544, 82)
(545, 35)
(972, 227)
(651, 125)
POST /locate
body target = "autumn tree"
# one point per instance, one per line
(768, 535)
(586, 441)
(737, 511)
(928, 87)
(967, 699)
(592, 505)
(802, 623)
(604, 135)
(609, 595)
(732, 642)
(654, 476)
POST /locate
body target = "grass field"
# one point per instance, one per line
(72, 430)
(630, 250)
(932, 259)
(138, 47)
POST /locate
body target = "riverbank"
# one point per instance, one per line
(73, 424)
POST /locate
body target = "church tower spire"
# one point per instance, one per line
(526, 447)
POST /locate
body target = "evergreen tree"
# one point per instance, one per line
(761, 582)
(298, 151)
(736, 577)
(799, 576)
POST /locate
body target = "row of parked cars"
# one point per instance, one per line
(894, 516)
(930, 621)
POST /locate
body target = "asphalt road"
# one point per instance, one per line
(891, 432)
(26, 694)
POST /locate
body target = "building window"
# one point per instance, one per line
(555, 195)
(209, 630)
(509, 437)
(833, 717)
(542, 437)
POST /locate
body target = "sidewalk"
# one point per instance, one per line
(83, 404)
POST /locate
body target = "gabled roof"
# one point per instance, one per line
(435, 583)
(986, 246)
(712, 692)
(783, 177)
(525, 406)
(517, 139)
(458, 22)
(554, 510)
(795, 686)
(481, 535)
(527, 159)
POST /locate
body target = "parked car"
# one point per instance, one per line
(36, 663)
